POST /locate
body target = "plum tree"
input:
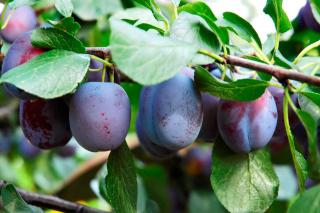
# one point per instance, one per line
(172, 112)
(100, 116)
(19, 53)
(209, 129)
(27, 150)
(21, 20)
(240, 123)
(45, 122)
(151, 148)
(278, 95)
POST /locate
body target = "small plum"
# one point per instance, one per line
(247, 126)
(197, 162)
(27, 150)
(21, 20)
(45, 122)
(19, 53)
(100, 116)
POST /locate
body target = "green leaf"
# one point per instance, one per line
(146, 57)
(281, 21)
(243, 182)
(308, 200)
(19, 3)
(309, 102)
(168, 9)
(68, 25)
(310, 126)
(194, 30)
(121, 181)
(90, 10)
(53, 38)
(13, 202)
(203, 10)
(64, 7)
(51, 74)
(153, 7)
(313, 96)
(241, 90)
(146, 27)
(242, 28)
(315, 7)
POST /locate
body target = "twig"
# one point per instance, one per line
(280, 73)
(51, 202)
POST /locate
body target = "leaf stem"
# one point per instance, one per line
(211, 55)
(305, 51)
(2, 24)
(291, 138)
(106, 63)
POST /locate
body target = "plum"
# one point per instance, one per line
(278, 95)
(172, 112)
(95, 76)
(247, 126)
(66, 151)
(209, 129)
(151, 148)
(308, 18)
(22, 20)
(27, 150)
(100, 116)
(197, 162)
(19, 53)
(45, 122)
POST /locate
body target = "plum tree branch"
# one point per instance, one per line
(52, 202)
(280, 73)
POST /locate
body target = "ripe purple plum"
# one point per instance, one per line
(172, 112)
(151, 148)
(27, 150)
(308, 18)
(247, 126)
(19, 53)
(21, 20)
(209, 129)
(100, 116)
(278, 95)
(45, 122)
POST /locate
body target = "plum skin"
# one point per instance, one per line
(19, 53)
(247, 126)
(22, 20)
(100, 116)
(27, 150)
(172, 112)
(45, 122)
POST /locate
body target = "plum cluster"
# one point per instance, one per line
(173, 114)
(97, 114)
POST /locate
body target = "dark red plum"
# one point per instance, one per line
(154, 150)
(22, 20)
(247, 126)
(209, 128)
(278, 95)
(45, 122)
(27, 150)
(100, 116)
(172, 112)
(19, 53)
